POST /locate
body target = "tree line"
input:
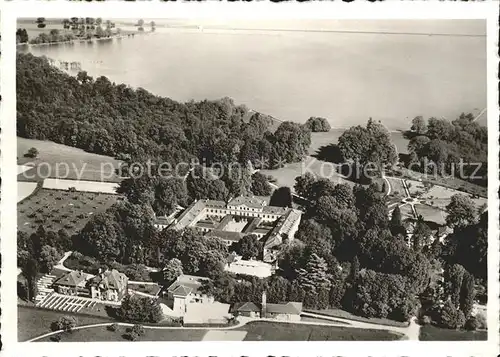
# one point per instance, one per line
(134, 125)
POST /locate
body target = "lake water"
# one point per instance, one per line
(345, 77)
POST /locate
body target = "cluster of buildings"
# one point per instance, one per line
(241, 216)
(110, 285)
(186, 299)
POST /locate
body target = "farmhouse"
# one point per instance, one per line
(185, 291)
(110, 285)
(239, 217)
(289, 311)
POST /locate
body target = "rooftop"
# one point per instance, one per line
(249, 201)
(186, 284)
(73, 278)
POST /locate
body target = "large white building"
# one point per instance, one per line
(239, 217)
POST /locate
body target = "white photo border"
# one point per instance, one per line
(10, 11)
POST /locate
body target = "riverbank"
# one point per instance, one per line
(85, 40)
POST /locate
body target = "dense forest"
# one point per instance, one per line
(113, 119)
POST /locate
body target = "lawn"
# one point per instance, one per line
(56, 160)
(101, 333)
(33, 322)
(431, 214)
(276, 331)
(256, 331)
(432, 333)
(442, 195)
(320, 148)
(397, 188)
(151, 289)
(347, 315)
(57, 209)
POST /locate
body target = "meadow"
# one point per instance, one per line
(56, 160)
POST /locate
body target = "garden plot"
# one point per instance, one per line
(61, 209)
(439, 196)
(416, 188)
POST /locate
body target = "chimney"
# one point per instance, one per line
(264, 305)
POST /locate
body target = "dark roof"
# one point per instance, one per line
(111, 279)
(248, 307)
(186, 284)
(73, 278)
(294, 308)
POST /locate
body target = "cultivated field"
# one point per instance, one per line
(56, 160)
(57, 209)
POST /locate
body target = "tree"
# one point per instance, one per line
(65, 323)
(421, 234)
(451, 317)
(316, 236)
(173, 269)
(467, 294)
(49, 256)
(314, 275)
(249, 247)
(212, 264)
(461, 211)
(304, 185)
(32, 153)
(282, 197)
(135, 308)
(30, 271)
(153, 26)
(260, 185)
(291, 142)
(418, 125)
(396, 224)
(140, 23)
(22, 35)
(454, 276)
(318, 124)
(371, 144)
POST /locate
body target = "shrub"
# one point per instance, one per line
(56, 338)
(138, 330)
(65, 323)
(113, 327)
(32, 153)
(471, 324)
(481, 320)
(425, 320)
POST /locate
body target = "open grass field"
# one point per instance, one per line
(432, 333)
(57, 209)
(275, 331)
(317, 162)
(348, 315)
(431, 214)
(253, 331)
(397, 188)
(102, 334)
(56, 160)
(33, 322)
